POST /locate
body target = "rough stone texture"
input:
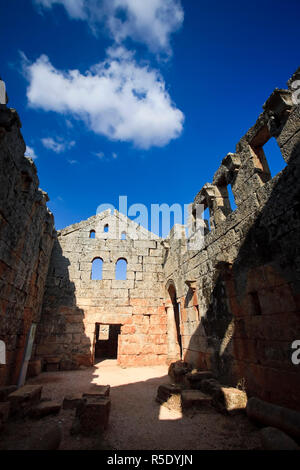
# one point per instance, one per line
(71, 402)
(195, 378)
(102, 391)
(195, 399)
(240, 293)
(230, 400)
(169, 395)
(26, 240)
(45, 408)
(274, 439)
(74, 303)
(23, 399)
(275, 416)
(178, 371)
(93, 415)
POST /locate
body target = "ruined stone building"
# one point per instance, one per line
(231, 307)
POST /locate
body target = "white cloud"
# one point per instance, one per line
(72, 162)
(58, 146)
(148, 21)
(29, 152)
(116, 98)
(114, 155)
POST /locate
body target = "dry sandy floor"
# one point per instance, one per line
(136, 420)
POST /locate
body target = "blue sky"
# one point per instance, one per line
(160, 94)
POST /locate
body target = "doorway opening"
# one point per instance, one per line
(106, 341)
(174, 333)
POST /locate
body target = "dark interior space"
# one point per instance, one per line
(106, 341)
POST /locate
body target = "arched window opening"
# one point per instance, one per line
(97, 265)
(92, 234)
(274, 155)
(206, 217)
(121, 270)
(123, 236)
(106, 228)
(231, 198)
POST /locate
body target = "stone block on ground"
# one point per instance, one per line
(210, 386)
(230, 400)
(275, 416)
(7, 390)
(195, 399)
(178, 370)
(274, 439)
(23, 399)
(34, 368)
(52, 364)
(93, 415)
(101, 391)
(169, 395)
(72, 401)
(4, 411)
(45, 408)
(194, 378)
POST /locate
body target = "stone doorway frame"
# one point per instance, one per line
(172, 306)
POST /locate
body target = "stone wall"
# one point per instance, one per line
(239, 295)
(74, 303)
(26, 239)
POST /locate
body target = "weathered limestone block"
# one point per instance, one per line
(93, 415)
(178, 370)
(275, 416)
(195, 399)
(194, 378)
(23, 399)
(169, 395)
(101, 391)
(230, 400)
(45, 408)
(52, 364)
(72, 401)
(274, 439)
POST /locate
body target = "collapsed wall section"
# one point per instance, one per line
(239, 295)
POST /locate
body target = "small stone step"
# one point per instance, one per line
(101, 391)
(72, 401)
(93, 415)
(25, 398)
(210, 386)
(195, 378)
(44, 409)
(195, 399)
(230, 400)
(169, 395)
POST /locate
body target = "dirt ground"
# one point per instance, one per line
(137, 421)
